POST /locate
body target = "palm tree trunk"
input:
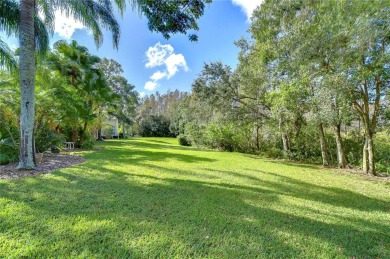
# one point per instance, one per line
(27, 84)
(324, 147)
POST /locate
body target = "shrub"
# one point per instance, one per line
(46, 138)
(89, 141)
(9, 151)
(353, 146)
(184, 140)
(220, 136)
(195, 133)
(155, 126)
(382, 149)
(9, 136)
(274, 152)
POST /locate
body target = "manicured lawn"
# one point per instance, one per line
(152, 198)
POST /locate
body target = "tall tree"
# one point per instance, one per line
(125, 105)
(27, 84)
(167, 17)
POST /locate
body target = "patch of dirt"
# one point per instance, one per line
(50, 162)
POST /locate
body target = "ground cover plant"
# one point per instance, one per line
(150, 197)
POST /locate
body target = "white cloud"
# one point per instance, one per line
(66, 26)
(248, 6)
(142, 94)
(158, 75)
(163, 55)
(157, 54)
(174, 62)
(150, 85)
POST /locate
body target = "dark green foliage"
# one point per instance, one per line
(184, 140)
(353, 144)
(220, 136)
(155, 126)
(173, 16)
(9, 152)
(383, 152)
(9, 136)
(89, 141)
(274, 152)
(45, 139)
(305, 146)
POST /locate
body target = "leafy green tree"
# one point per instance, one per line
(91, 13)
(125, 104)
(167, 17)
(80, 68)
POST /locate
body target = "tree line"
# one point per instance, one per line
(75, 93)
(311, 84)
(22, 19)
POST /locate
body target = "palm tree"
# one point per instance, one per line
(166, 17)
(93, 14)
(80, 68)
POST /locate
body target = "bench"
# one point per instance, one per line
(69, 145)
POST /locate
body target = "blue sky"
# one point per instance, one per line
(152, 63)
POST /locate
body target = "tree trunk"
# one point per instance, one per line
(82, 137)
(257, 138)
(365, 157)
(100, 138)
(75, 132)
(342, 161)
(324, 147)
(286, 145)
(371, 156)
(27, 84)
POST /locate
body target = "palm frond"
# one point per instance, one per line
(94, 15)
(47, 9)
(9, 17)
(42, 38)
(7, 58)
(9, 23)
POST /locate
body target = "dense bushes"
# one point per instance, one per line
(382, 140)
(9, 136)
(155, 126)
(220, 136)
(184, 140)
(9, 151)
(46, 138)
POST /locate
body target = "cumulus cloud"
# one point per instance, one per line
(158, 75)
(157, 54)
(174, 62)
(150, 85)
(66, 26)
(248, 6)
(163, 55)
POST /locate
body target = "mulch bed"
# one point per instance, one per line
(50, 162)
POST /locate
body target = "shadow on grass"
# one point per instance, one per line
(150, 144)
(94, 211)
(190, 218)
(288, 186)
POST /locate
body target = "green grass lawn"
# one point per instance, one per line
(151, 198)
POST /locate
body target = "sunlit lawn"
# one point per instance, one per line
(152, 198)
